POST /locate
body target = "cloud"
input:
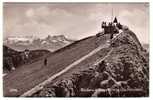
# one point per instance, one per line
(30, 13)
(138, 21)
(73, 20)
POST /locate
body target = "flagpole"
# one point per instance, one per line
(112, 15)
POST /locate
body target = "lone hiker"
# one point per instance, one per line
(45, 61)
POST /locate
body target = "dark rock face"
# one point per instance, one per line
(12, 58)
(123, 73)
(8, 55)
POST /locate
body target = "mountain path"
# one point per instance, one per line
(17, 83)
(41, 85)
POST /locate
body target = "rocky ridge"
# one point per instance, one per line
(123, 72)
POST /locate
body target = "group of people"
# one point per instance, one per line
(111, 27)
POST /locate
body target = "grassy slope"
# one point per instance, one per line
(35, 73)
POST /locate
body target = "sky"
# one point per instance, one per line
(74, 20)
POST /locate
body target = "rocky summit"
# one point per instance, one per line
(123, 72)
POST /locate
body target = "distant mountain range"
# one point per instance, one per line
(50, 43)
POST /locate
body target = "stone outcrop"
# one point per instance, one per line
(14, 59)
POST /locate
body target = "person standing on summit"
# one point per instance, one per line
(115, 21)
(113, 27)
